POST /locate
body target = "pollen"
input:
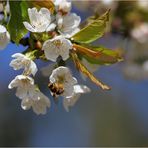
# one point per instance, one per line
(58, 43)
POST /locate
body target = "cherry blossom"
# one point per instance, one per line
(39, 21)
(24, 86)
(68, 24)
(63, 76)
(62, 6)
(38, 101)
(22, 61)
(4, 37)
(58, 46)
(78, 90)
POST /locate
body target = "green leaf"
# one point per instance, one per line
(99, 55)
(19, 14)
(86, 72)
(92, 31)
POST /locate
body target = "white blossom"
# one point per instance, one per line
(24, 86)
(145, 65)
(68, 24)
(140, 33)
(78, 90)
(22, 61)
(58, 46)
(107, 1)
(1, 7)
(7, 7)
(143, 4)
(39, 103)
(63, 6)
(4, 37)
(39, 21)
(62, 75)
(29, 94)
(72, 90)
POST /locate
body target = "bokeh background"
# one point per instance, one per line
(102, 118)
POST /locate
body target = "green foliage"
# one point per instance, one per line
(86, 72)
(19, 14)
(35, 54)
(93, 30)
(105, 56)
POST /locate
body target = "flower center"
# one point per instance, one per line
(25, 82)
(58, 43)
(61, 79)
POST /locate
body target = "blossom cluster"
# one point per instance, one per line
(61, 82)
(51, 32)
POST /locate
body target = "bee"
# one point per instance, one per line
(56, 89)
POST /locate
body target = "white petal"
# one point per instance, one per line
(78, 90)
(7, 7)
(61, 71)
(26, 104)
(21, 92)
(4, 37)
(81, 89)
(13, 84)
(145, 65)
(65, 73)
(51, 27)
(42, 28)
(59, 19)
(39, 106)
(30, 80)
(64, 49)
(62, 5)
(69, 24)
(33, 68)
(18, 55)
(45, 13)
(65, 6)
(75, 20)
(2, 29)
(29, 27)
(68, 90)
(73, 81)
(70, 33)
(50, 50)
(69, 102)
(32, 12)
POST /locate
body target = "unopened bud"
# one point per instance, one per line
(38, 45)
